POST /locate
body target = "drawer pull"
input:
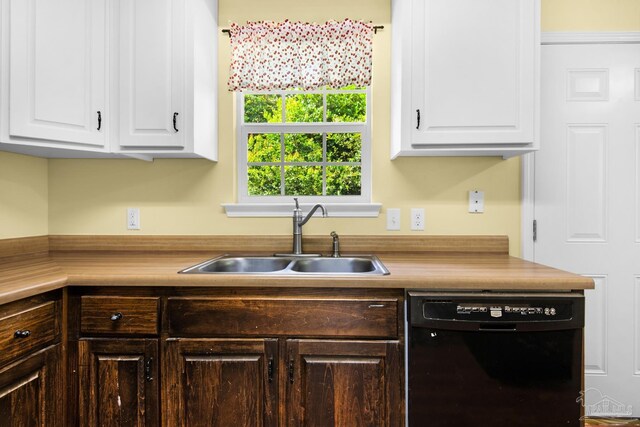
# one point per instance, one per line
(116, 316)
(376, 305)
(21, 334)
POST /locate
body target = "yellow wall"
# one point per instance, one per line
(23, 196)
(185, 196)
(590, 15)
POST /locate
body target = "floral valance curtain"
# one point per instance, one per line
(286, 55)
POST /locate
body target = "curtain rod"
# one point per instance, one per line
(375, 30)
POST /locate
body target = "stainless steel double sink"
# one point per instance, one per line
(291, 266)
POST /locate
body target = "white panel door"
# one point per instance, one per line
(151, 73)
(587, 205)
(57, 70)
(474, 71)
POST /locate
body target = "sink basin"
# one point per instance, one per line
(290, 266)
(336, 265)
(245, 265)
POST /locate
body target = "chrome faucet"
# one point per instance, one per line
(299, 221)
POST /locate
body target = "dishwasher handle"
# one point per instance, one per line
(497, 327)
(494, 326)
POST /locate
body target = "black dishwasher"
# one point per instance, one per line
(494, 359)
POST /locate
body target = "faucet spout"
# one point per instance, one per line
(312, 211)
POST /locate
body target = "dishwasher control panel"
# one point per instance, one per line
(430, 308)
(497, 311)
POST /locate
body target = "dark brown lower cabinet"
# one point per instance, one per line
(236, 358)
(31, 392)
(220, 382)
(343, 383)
(119, 383)
(234, 382)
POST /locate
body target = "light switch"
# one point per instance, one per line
(393, 219)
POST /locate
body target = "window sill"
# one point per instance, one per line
(335, 210)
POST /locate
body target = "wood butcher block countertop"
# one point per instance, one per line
(34, 265)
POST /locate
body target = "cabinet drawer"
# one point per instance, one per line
(119, 315)
(313, 317)
(28, 330)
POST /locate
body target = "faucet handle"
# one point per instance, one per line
(296, 200)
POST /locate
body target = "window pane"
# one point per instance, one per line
(262, 109)
(344, 147)
(304, 108)
(346, 107)
(263, 180)
(344, 180)
(263, 147)
(303, 180)
(303, 147)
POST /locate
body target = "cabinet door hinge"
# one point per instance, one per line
(291, 371)
(270, 369)
(147, 369)
(535, 230)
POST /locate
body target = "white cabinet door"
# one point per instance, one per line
(151, 73)
(57, 60)
(465, 77)
(473, 71)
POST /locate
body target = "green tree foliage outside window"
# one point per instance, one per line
(307, 164)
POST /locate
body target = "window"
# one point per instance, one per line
(314, 145)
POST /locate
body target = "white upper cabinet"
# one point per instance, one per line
(110, 78)
(54, 63)
(465, 77)
(151, 81)
(166, 77)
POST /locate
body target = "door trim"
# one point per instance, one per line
(527, 162)
(593, 37)
(527, 203)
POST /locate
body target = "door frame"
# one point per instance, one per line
(527, 161)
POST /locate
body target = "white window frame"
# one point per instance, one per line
(351, 206)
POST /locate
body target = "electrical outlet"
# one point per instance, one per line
(476, 201)
(393, 219)
(133, 218)
(417, 219)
